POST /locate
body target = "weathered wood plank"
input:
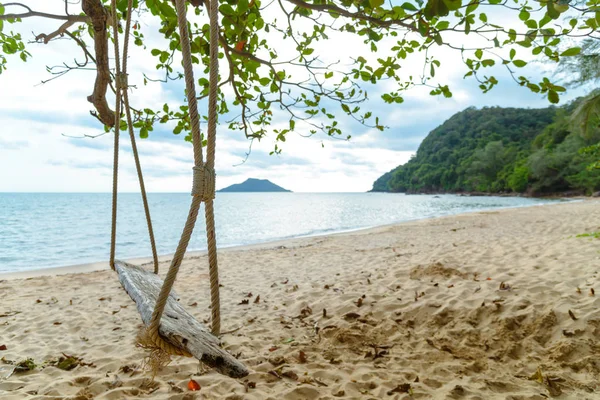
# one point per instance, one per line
(177, 326)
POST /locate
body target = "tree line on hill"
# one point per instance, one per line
(504, 150)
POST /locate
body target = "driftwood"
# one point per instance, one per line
(177, 326)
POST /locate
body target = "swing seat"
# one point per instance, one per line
(177, 326)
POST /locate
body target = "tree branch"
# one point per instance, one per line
(30, 13)
(96, 12)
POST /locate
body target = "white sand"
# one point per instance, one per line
(430, 317)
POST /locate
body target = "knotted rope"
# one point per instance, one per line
(122, 96)
(203, 184)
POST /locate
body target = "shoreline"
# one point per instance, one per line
(163, 258)
(491, 305)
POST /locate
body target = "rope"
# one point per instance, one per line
(122, 94)
(113, 226)
(210, 165)
(203, 185)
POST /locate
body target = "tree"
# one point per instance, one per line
(486, 164)
(270, 80)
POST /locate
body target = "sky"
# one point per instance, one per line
(44, 148)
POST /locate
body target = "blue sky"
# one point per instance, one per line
(38, 154)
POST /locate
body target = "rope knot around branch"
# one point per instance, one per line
(203, 182)
(121, 81)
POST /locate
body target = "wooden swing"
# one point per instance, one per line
(169, 326)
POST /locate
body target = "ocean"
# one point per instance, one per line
(42, 230)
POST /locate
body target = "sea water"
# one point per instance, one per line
(41, 230)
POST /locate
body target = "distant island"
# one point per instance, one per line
(495, 150)
(254, 185)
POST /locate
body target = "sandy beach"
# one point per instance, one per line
(487, 305)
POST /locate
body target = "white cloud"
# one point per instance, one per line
(39, 158)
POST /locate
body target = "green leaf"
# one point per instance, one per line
(573, 51)
(408, 6)
(553, 97)
(551, 11)
(513, 52)
(376, 3)
(531, 24)
(226, 9)
(242, 6)
(478, 53)
(519, 63)
(524, 15)
(453, 4)
(442, 25)
(472, 6)
(292, 124)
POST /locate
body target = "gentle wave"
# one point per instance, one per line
(42, 230)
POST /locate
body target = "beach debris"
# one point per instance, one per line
(504, 286)
(273, 348)
(488, 279)
(103, 299)
(173, 387)
(286, 281)
(257, 300)
(450, 286)
(578, 290)
(9, 314)
(302, 357)
(305, 312)
(324, 313)
(25, 365)
(291, 375)
(592, 292)
(249, 385)
(403, 388)
(416, 379)
(339, 393)
(6, 371)
(2, 347)
(193, 385)
(67, 362)
(351, 315)
(59, 323)
(245, 301)
(194, 304)
(359, 302)
(326, 287)
(573, 317)
(288, 340)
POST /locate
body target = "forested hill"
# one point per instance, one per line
(500, 150)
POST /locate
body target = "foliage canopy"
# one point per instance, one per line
(272, 66)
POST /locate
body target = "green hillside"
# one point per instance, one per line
(499, 150)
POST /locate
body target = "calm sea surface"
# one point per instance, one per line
(40, 230)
